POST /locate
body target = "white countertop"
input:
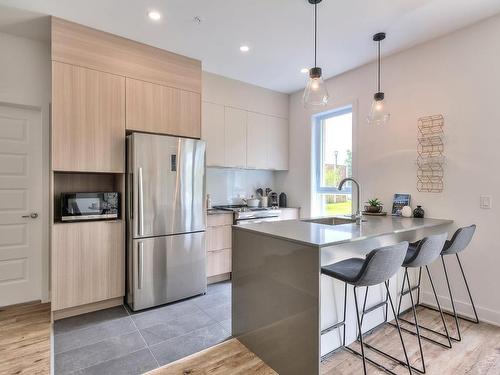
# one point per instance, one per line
(322, 235)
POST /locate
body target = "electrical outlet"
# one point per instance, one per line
(485, 202)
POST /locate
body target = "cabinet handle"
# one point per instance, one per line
(140, 265)
(140, 204)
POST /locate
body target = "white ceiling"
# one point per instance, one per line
(279, 32)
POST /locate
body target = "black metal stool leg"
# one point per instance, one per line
(459, 338)
(444, 335)
(360, 330)
(476, 321)
(399, 328)
(369, 346)
(455, 315)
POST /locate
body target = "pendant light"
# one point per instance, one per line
(378, 114)
(315, 93)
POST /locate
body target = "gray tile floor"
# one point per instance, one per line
(119, 341)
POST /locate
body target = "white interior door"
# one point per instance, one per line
(20, 205)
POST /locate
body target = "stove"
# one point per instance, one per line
(244, 214)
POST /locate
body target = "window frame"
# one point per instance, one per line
(318, 122)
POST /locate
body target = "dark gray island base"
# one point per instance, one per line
(280, 303)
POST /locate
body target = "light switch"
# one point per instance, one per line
(485, 202)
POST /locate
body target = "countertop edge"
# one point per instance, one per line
(340, 242)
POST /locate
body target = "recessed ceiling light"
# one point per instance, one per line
(154, 15)
(244, 48)
(304, 70)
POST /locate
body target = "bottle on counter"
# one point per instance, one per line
(209, 202)
(282, 200)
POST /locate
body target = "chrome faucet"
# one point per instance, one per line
(356, 216)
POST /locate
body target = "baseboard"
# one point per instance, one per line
(218, 278)
(83, 309)
(463, 308)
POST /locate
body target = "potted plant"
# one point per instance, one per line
(374, 206)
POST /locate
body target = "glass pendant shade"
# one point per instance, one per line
(379, 114)
(315, 94)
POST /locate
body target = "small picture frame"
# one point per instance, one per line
(400, 200)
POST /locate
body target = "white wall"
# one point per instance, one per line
(457, 75)
(25, 80)
(229, 185)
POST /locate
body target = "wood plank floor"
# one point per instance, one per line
(25, 339)
(25, 349)
(477, 354)
(230, 357)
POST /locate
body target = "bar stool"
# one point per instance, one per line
(437, 242)
(423, 254)
(458, 243)
(377, 268)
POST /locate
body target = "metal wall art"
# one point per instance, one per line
(430, 152)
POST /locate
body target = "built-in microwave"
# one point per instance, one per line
(90, 206)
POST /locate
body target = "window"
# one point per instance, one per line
(332, 162)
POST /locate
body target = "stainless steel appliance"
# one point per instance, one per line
(166, 219)
(250, 215)
(89, 206)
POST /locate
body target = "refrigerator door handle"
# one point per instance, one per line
(140, 265)
(140, 204)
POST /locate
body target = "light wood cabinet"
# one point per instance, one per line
(212, 131)
(88, 120)
(83, 46)
(218, 262)
(160, 109)
(88, 263)
(218, 234)
(277, 143)
(235, 137)
(257, 141)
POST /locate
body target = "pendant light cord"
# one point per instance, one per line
(315, 33)
(378, 67)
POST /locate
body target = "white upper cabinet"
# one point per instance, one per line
(235, 137)
(212, 131)
(257, 141)
(277, 143)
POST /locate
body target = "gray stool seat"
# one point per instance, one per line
(460, 240)
(425, 251)
(346, 270)
(378, 266)
(410, 254)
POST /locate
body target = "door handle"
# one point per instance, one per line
(140, 204)
(32, 215)
(140, 265)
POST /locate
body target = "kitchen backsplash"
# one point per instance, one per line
(228, 185)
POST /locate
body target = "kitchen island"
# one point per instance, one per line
(280, 301)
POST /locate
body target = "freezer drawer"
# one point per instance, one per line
(166, 269)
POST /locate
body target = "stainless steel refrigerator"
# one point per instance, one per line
(166, 219)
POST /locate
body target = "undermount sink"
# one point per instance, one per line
(331, 220)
